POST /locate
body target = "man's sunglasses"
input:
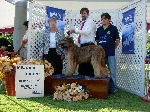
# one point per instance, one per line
(103, 19)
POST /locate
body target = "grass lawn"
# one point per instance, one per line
(121, 102)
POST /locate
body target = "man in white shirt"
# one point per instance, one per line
(86, 37)
(24, 41)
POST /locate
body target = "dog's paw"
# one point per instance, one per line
(106, 73)
(105, 76)
(68, 74)
(98, 76)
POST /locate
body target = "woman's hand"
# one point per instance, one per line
(62, 57)
(41, 55)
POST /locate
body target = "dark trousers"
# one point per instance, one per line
(55, 60)
(86, 68)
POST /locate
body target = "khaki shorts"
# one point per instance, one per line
(24, 49)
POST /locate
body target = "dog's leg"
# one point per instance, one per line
(99, 71)
(97, 66)
(105, 72)
(105, 69)
(72, 67)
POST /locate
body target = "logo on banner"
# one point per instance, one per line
(59, 14)
(56, 15)
(128, 26)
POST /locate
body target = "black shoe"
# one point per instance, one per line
(114, 91)
(109, 91)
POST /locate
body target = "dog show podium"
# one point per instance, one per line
(97, 87)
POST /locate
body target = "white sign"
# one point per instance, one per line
(29, 81)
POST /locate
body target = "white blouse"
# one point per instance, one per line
(52, 40)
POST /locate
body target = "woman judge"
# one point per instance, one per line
(52, 51)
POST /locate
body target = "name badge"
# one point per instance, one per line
(101, 41)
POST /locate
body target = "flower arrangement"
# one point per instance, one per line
(7, 65)
(48, 68)
(70, 92)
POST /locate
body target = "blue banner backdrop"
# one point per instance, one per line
(128, 26)
(59, 14)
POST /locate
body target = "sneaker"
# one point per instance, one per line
(145, 98)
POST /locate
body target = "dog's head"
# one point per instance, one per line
(66, 42)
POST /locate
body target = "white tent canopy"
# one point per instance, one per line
(7, 10)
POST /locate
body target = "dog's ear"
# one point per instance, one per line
(67, 36)
(71, 39)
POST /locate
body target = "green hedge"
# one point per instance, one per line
(9, 37)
